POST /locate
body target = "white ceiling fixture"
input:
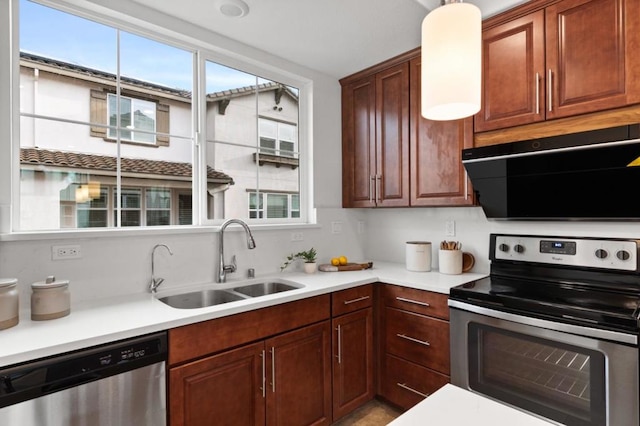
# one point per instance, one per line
(233, 8)
(451, 61)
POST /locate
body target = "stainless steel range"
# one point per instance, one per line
(554, 329)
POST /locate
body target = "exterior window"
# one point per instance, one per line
(278, 206)
(135, 115)
(158, 207)
(131, 207)
(94, 213)
(277, 138)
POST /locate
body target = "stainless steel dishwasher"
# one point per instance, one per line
(117, 384)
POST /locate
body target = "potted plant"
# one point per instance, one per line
(309, 257)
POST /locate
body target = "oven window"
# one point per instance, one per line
(558, 381)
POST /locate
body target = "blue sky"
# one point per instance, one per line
(51, 33)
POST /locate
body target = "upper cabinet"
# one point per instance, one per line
(568, 58)
(391, 156)
(375, 134)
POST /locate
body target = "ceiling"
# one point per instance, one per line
(336, 37)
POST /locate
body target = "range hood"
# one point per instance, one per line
(591, 175)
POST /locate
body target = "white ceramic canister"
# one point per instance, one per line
(50, 299)
(418, 256)
(8, 303)
(450, 262)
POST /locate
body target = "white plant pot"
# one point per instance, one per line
(310, 268)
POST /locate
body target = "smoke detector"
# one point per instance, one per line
(233, 8)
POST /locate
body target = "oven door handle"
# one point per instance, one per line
(595, 333)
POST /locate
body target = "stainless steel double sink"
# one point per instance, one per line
(211, 297)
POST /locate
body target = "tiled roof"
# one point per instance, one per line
(102, 74)
(82, 70)
(37, 156)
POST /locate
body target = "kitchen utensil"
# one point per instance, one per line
(325, 267)
(450, 261)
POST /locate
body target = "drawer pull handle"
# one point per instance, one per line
(410, 389)
(413, 339)
(359, 299)
(415, 302)
(339, 330)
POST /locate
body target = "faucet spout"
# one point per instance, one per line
(155, 282)
(251, 244)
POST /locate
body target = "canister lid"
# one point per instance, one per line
(50, 282)
(8, 282)
(418, 242)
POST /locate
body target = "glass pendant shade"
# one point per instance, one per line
(451, 62)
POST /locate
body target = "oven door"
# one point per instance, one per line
(561, 376)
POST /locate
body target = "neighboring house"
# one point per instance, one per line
(69, 168)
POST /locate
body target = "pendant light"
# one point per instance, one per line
(451, 61)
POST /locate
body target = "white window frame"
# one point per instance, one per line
(277, 149)
(263, 200)
(139, 20)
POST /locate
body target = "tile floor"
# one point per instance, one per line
(374, 413)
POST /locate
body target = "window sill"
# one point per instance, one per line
(117, 233)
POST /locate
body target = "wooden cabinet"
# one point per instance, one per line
(391, 156)
(375, 136)
(414, 355)
(553, 59)
(353, 355)
(437, 175)
(279, 380)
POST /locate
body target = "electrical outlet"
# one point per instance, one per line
(297, 236)
(336, 227)
(450, 230)
(65, 252)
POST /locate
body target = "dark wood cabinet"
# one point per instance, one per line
(437, 175)
(375, 134)
(299, 377)
(224, 389)
(353, 354)
(391, 156)
(269, 366)
(414, 348)
(559, 59)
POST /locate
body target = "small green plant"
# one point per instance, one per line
(309, 256)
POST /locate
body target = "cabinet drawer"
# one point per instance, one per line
(405, 384)
(417, 338)
(418, 301)
(351, 299)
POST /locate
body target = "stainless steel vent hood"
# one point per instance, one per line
(591, 175)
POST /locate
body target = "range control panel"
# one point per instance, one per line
(616, 254)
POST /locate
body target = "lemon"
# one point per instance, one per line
(343, 260)
(335, 261)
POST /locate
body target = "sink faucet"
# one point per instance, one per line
(251, 244)
(155, 282)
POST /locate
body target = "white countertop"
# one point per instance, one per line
(454, 406)
(106, 320)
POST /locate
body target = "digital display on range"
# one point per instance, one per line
(558, 247)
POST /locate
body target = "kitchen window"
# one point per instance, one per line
(136, 94)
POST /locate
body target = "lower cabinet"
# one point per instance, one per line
(283, 380)
(414, 348)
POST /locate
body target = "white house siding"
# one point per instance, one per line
(238, 126)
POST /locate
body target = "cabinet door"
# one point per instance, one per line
(358, 143)
(224, 389)
(299, 377)
(352, 361)
(513, 70)
(438, 177)
(592, 55)
(392, 136)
